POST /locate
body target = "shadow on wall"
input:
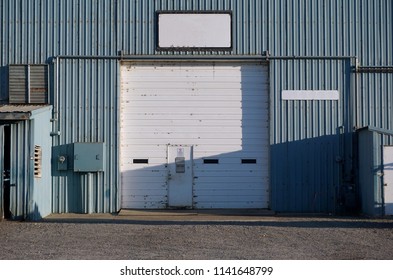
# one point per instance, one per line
(218, 181)
(309, 181)
(35, 214)
(75, 192)
(3, 84)
(306, 177)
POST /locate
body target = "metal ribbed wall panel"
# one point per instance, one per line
(19, 172)
(137, 34)
(375, 100)
(2, 173)
(40, 202)
(32, 32)
(333, 28)
(306, 135)
(87, 113)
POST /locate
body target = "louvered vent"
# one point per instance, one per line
(18, 84)
(28, 84)
(37, 161)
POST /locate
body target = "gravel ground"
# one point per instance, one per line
(198, 237)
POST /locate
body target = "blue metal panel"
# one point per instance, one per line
(375, 100)
(89, 157)
(137, 33)
(1, 170)
(40, 191)
(371, 169)
(88, 112)
(30, 197)
(306, 136)
(39, 29)
(366, 171)
(19, 171)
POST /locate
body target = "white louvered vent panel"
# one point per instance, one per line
(37, 161)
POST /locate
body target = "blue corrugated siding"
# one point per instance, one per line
(34, 31)
(39, 199)
(306, 135)
(88, 113)
(137, 36)
(1, 169)
(20, 169)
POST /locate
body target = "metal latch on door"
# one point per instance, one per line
(180, 164)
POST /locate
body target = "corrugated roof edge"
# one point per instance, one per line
(377, 129)
(14, 112)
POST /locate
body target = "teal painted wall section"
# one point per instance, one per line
(40, 193)
(371, 168)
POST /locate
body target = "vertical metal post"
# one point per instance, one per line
(90, 193)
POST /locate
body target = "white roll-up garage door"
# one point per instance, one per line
(194, 135)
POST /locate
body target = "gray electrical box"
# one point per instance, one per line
(89, 157)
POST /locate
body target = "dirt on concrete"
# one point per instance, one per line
(157, 235)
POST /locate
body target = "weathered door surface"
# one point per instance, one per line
(388, 179)
(180, 176)
(221, 110)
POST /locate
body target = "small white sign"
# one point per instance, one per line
(188, 30)
(310, 95)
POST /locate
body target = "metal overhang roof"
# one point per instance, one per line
(11, 112)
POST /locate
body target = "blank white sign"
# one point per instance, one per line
(310, 95)
(194, 30)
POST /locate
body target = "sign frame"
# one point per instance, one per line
(193, 48)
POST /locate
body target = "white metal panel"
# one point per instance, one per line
(180, 177)
(310, 95)
(388, 179)
(194, 30)
(219, 109)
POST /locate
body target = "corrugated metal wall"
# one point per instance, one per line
(137, 33)
(40, 203)
(20, 169)
(88, 113)
(1, 170)
(306, 135)
(34, 31)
